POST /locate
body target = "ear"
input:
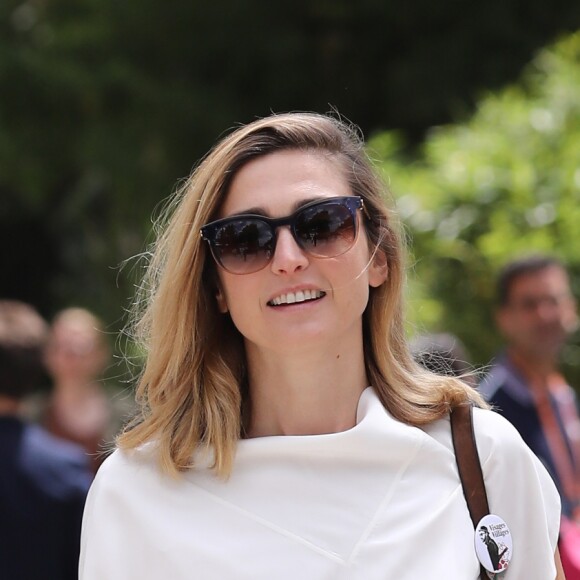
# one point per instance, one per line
(378, 270)
(221, 301)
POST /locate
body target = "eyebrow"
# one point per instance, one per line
(257, 210)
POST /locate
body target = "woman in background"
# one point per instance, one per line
(76, 356)
(285, 430)
(80, 408)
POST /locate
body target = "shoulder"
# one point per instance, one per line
(501, 447)
(125, 463)
(126, 494)
(494, 433)
(503, 451)
(125, 472)
(519, 489)
(509, 467)
(41, 442)
(517, 483)
(494, 381)
(61, 467)
(117, 516)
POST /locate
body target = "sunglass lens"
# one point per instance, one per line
(243, 246)
(326, 230)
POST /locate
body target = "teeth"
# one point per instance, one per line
(300, 296)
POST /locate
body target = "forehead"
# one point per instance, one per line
(276, 183)
(550, 281)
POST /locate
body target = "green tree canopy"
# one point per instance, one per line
(104, 104)
(503, 184)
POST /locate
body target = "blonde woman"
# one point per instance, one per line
(285, 430)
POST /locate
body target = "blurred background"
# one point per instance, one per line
(471, 112)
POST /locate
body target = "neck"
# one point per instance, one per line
(76, 385)
(307, 393)
(533, 364)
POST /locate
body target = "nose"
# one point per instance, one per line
(288, 255)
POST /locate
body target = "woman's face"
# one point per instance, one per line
(275, 186)
(75, 352)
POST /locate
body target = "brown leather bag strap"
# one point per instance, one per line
(469, 466)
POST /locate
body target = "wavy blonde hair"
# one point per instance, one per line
(193, 385)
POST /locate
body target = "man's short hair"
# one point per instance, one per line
(23, 334)
(521, 267)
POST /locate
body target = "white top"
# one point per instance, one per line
(381, 500)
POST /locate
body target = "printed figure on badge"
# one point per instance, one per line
(495, 552)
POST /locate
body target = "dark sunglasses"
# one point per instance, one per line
(243, 244)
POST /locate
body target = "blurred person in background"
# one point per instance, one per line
(43, 480)
(80, 407)
(536, 314)
(76, 356)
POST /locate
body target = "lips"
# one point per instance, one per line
(296, 297)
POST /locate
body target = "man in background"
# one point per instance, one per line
(43, 480)
(536, 314)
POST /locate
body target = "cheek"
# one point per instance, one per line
(224, 294)
(240, 299)
(570, 315)
(351, 283)
(362, 266)
(522, 324)
(359, 299)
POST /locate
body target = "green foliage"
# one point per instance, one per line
(105, 104)
(502, 184)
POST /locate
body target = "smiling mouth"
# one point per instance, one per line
(297, 297)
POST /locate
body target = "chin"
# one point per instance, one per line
(543, 349)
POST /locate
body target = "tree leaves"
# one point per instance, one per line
(504, 183)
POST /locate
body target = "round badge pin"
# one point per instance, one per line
(493, 544)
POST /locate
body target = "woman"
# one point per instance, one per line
(285, 430)
(78, 408)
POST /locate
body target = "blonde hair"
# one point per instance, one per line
(193, 385)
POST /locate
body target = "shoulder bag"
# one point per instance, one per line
(469, 466)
